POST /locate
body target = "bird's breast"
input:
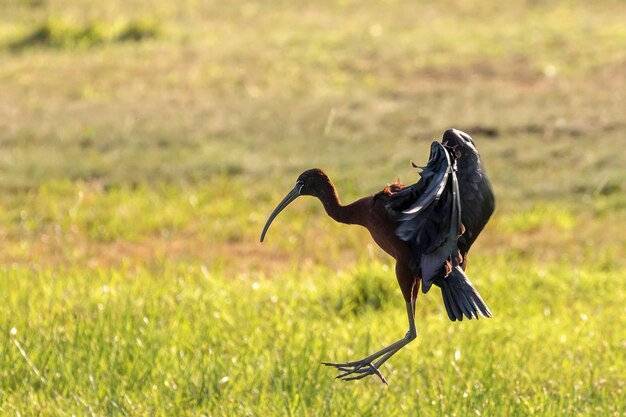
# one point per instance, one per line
(383, 231)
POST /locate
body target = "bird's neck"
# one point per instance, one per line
(338, 212)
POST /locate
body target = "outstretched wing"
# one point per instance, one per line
(429, 215)
(443, 213)
(477, 199)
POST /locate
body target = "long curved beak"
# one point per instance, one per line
(292, 195)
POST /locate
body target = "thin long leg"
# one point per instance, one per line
(364, 367)
(411, 315)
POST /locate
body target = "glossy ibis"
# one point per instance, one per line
(427, 227)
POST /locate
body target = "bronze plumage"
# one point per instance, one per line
(428, 228)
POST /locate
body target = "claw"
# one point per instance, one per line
(354, 378)
(360, 368)
(351, 371)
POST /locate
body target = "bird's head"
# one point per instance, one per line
(310, 182)
(459, 143)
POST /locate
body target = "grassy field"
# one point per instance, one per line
(143, 144)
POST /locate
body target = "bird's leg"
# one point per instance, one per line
(364, 367)
(411, 315)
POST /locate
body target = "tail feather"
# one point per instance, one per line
(464, 303)
(460, 297)
(451, 307)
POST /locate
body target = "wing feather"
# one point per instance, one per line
(477, 199)
(429, 215)
(452, 195)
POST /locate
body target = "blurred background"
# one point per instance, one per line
(143, 144)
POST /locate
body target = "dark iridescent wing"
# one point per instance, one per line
(453, 189)
(477, 199)
(429, 215)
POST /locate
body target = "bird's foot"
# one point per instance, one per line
(351, 371)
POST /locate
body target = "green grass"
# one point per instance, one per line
(143, 144)
(61, 34)
(182, 340)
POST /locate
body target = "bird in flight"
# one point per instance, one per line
(428, 228)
